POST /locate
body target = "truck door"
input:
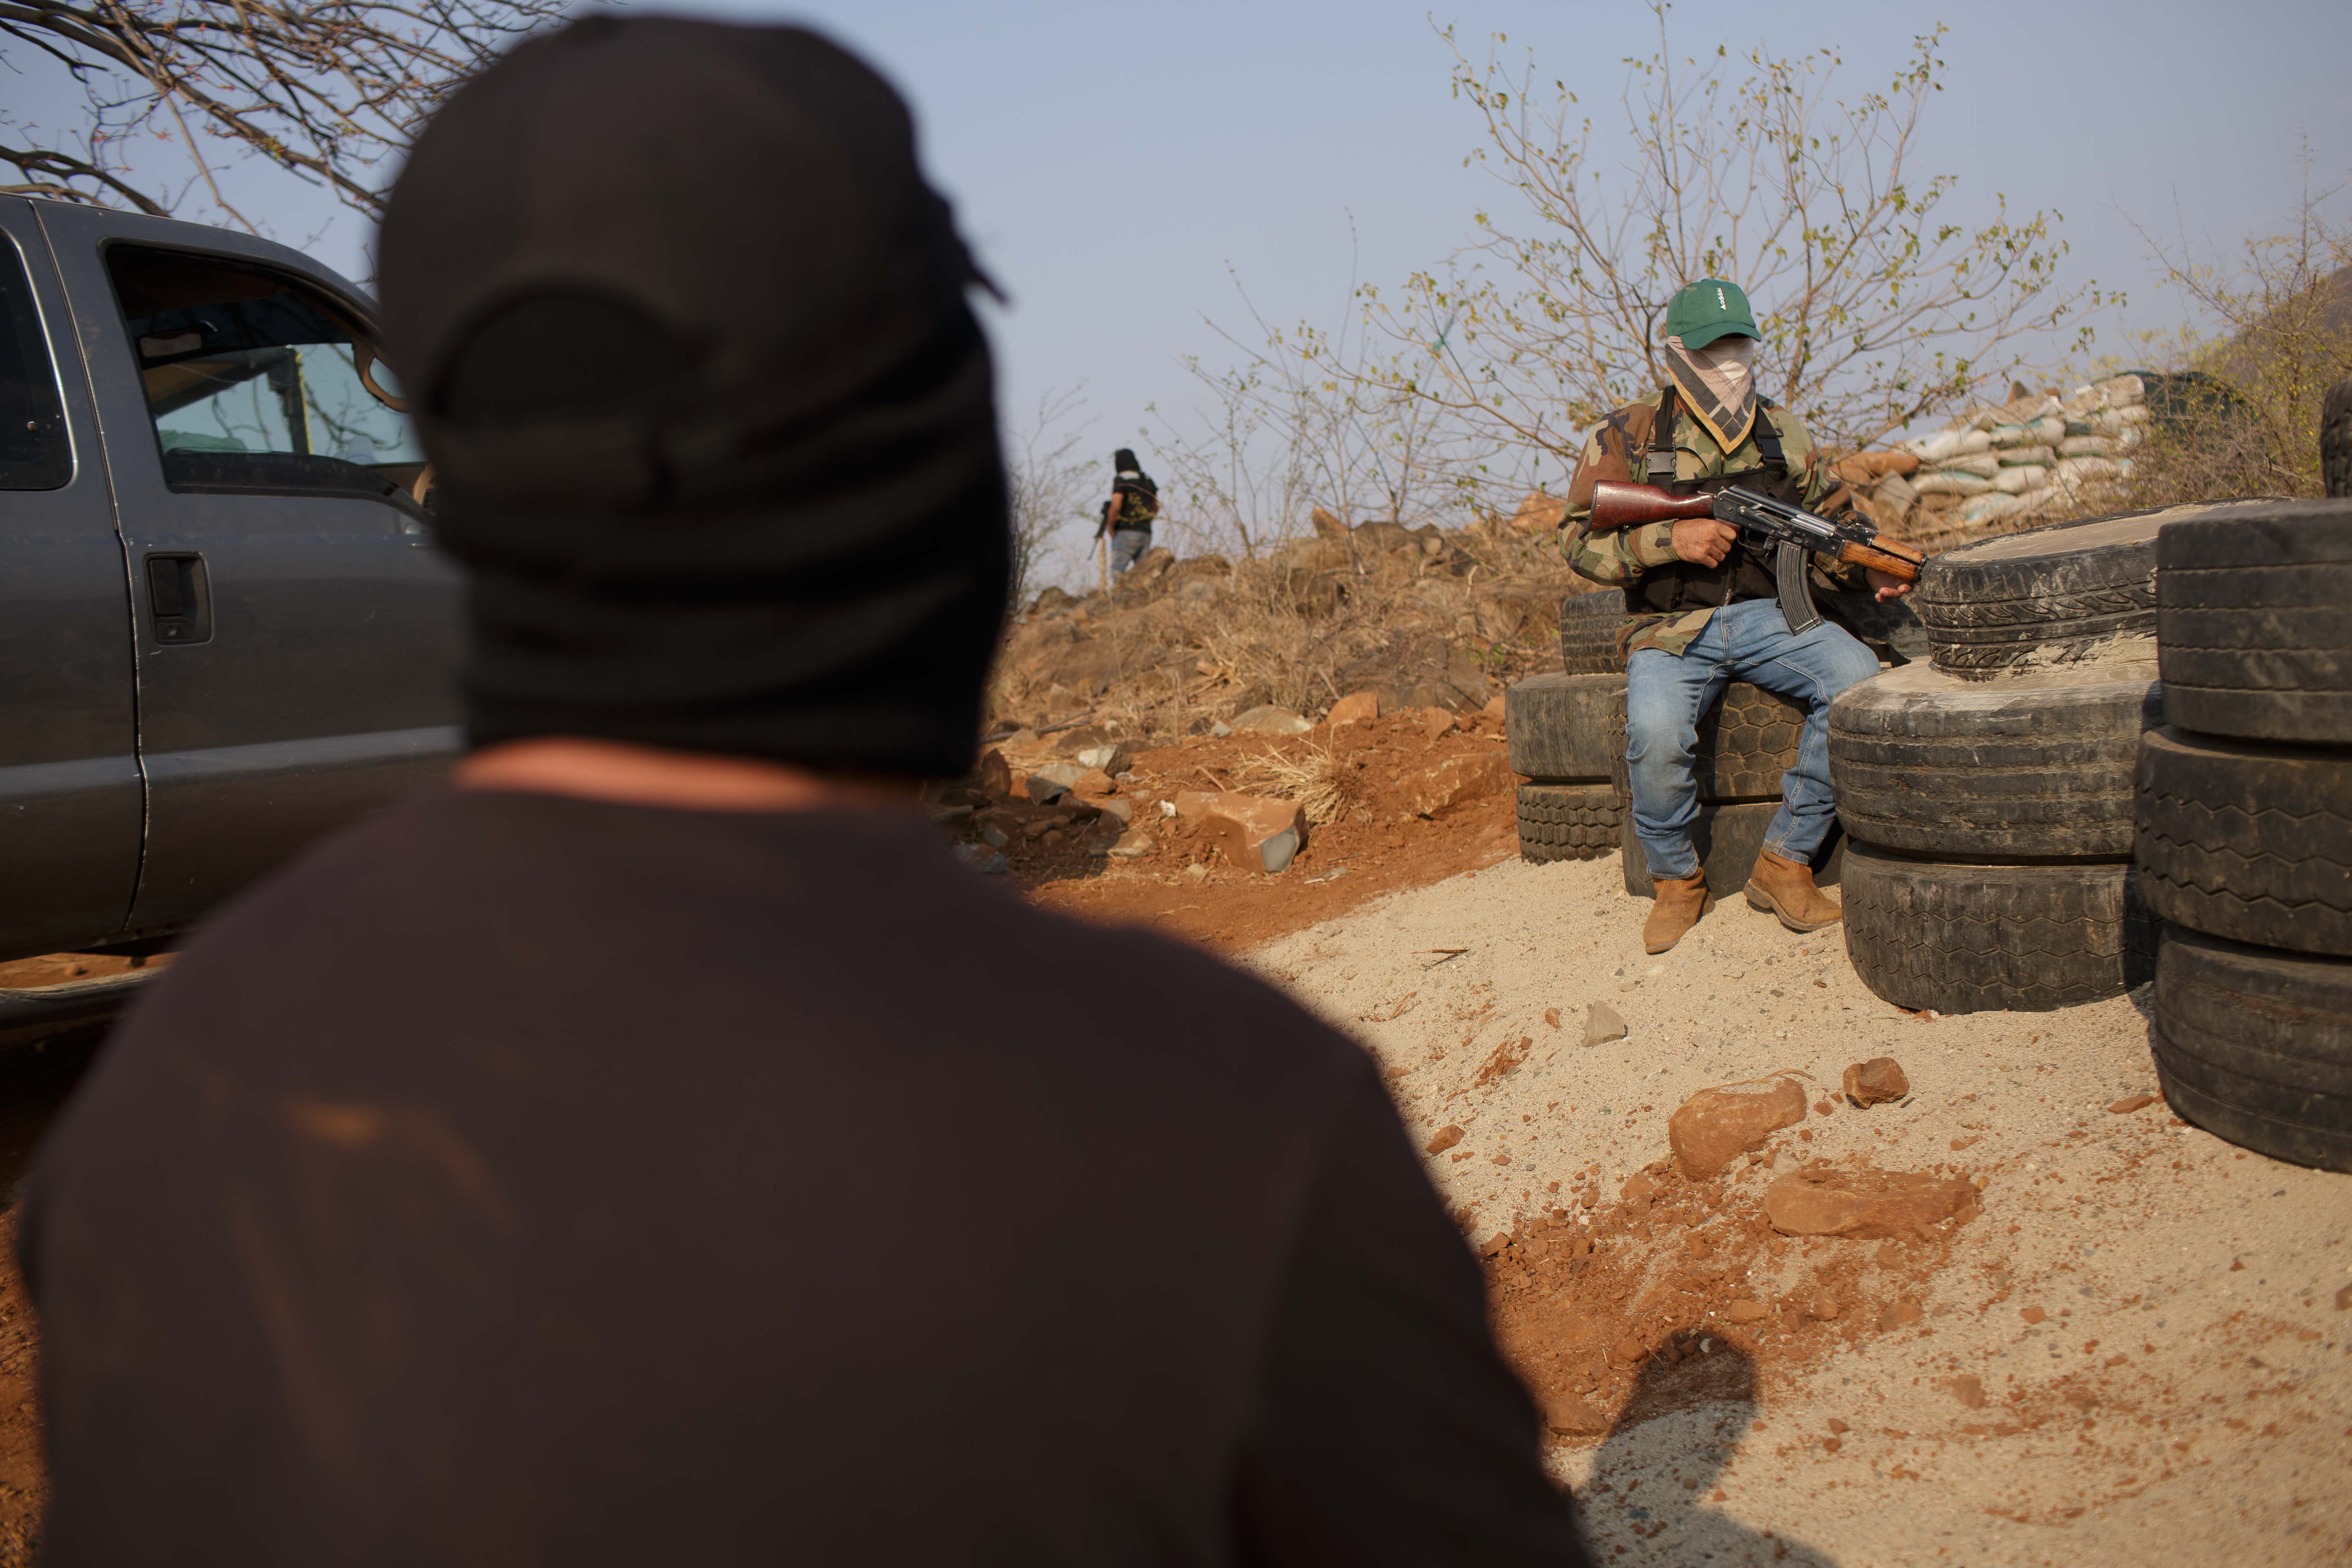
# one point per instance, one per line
(297, 633)
(69, 798)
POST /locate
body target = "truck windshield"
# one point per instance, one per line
(257, 383)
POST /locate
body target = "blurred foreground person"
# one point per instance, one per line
(659, 1149)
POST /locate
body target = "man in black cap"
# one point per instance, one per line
(1127, 516)
(650, 1150)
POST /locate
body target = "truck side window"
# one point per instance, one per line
(34, 452)
(258, 383)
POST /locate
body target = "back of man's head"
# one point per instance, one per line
(686, 338)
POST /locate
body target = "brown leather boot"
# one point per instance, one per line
(1681, 900)
(1785, 887)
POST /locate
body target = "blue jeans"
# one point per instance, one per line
(1126, 545)
(1666, 694)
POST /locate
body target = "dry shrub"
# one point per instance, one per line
(1312, 776)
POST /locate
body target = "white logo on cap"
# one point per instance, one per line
(1721, 302)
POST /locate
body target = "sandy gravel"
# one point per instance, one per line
(2186, 1392)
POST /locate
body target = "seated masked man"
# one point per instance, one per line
(1704, 608)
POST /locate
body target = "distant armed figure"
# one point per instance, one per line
(1127, 516)
(1708, 605)
(659, 1147)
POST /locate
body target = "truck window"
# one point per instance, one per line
(34, 452)
(257, 383)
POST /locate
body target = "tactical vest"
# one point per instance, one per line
(1685, 585)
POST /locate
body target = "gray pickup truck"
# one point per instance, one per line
(224, 627)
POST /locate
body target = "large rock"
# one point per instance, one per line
(1716, 1126)
(1355, 707)
(1875, 1082)
(1255, 832)
(1269, 720)
(1459, 779)
(1866, 1204)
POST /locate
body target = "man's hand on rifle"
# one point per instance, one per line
(1889, 588)
(1703, 541)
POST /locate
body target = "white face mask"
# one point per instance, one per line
(1725, 372)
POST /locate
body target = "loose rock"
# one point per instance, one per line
(1132, 843)
(1257, 833)
(1603, 1023)
(1867, 1204)
(1270, 720)
(1716, 1126)
(2136, 1102)
(1969, 1389)
(1745, 1311)
(1461, 778)
(1551, 1016)
(1355, 707)
(1444, 1138)
(1571, 1416)
(1875, 1081)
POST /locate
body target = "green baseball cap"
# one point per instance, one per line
(1707, 309)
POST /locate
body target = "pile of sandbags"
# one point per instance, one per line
(2035, 454)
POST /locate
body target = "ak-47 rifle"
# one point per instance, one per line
(1789, 532)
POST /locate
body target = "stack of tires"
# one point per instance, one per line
(1988, 792)
(1561, 734)
(2246, 826)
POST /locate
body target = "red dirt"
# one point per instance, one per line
(1378, 841)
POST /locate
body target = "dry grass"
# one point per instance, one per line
(1312, 776)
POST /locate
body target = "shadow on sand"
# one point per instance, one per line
(1650, 1496)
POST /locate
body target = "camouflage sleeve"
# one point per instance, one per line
(1618, 557)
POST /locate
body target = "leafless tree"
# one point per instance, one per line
(1050, 487)
(326, 91)
(1878, 303)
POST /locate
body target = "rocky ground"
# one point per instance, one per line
(2138, 1346)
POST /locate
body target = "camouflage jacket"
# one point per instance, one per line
(1618, 451)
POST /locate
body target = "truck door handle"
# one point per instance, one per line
(180, 597)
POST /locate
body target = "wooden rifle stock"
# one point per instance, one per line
(1616, 506)
(1897, 560)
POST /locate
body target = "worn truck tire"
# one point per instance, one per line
(1727, 839)
(1959, 937)
(2253, 621)
(2046, 595)
(1568, 822)
(2255, 1045)
(1565, 727)
(1745, 742)
(1588, 625)
(2246, 841)
(2036, 767)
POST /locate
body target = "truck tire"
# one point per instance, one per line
(1727, 839)
(2045, 594)
(2249, 842)
(1564, 728)
(2254, 621)
(1926, 763)
(1745, 742)
(1962, 937)
(1567, 822)
(2255, 1047)
(1588, 625)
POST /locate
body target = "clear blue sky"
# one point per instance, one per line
(1115, 165)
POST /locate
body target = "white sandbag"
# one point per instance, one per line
(1985, 508)
(2042, 500)
(2080, 470)
(2123, 390)
(1894, 490)
(2116, 421)
(1935, 448)
(2018, 456)
(2016, 481)
(1949, 483)
(2081, 402)
(2090, 445)
(2036, 433)
(1984, 465)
